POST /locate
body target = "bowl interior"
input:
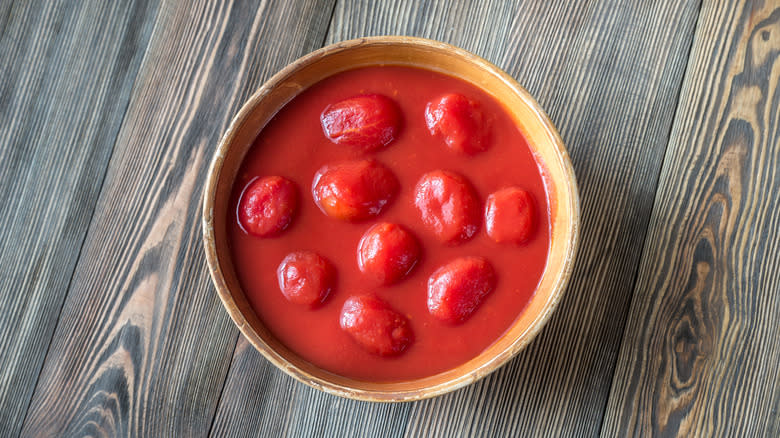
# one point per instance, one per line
(542, 138)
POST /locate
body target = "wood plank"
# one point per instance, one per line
(608, 73)
(67, 72)
(701, 351)
(5, 15)
(143, 344)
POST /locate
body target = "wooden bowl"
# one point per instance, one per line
(432, 55)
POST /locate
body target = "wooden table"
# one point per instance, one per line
(110, 112)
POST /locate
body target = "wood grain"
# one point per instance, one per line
(67, 71)
(608, 74)
(143, 344)
(701, 350)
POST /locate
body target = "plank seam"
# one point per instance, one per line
(5, 22)
(330, 23)
(224, 382)
(91, 220)
(688, 68)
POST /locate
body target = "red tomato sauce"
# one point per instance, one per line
(294, 146)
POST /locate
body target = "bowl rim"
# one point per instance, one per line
(560, 282)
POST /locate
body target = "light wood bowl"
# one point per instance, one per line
(432, 55)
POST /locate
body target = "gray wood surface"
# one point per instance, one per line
(143, 344)
(109, 114)
(701, 350)
(596, 92)
(67, 71)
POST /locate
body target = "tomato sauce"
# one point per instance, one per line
(294, 147)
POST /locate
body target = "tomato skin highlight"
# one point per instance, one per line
(375, 326)
(367, 122)
(306, 278)
(457, 289)
(354, 190)
(510, 216)
(448, 206)
(387, 253)
(267, 206)
(460, 122)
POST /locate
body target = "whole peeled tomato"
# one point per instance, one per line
(460, 122)
(448, 206)
(306, 278)
(510, 215)
(387, 252)
(457, 289)
(368, 122)
(354, 190)
(375, 326)
(267, 206)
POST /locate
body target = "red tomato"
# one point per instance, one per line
(375, 326)
(306, 278)
(367, 122)
(354, 190)
(267, 206)
(510, 215)
(448, 206)
(457, 289)
(459, 121)
(387, 252)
